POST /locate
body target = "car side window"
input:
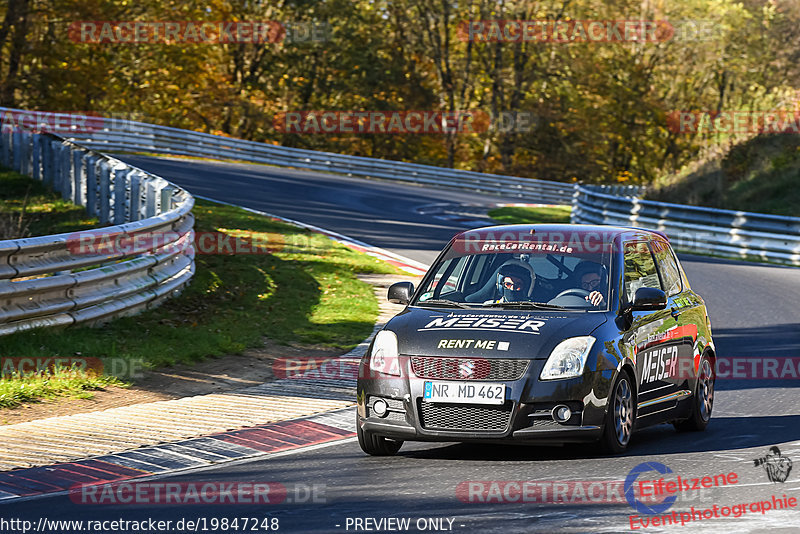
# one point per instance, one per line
(451, 284)
(670, 275)
(438, 286)
(640, 268)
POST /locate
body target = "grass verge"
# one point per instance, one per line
(63, 382)
(532, 215)
(29, 208)
(305, 290)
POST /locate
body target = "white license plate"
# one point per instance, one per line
(464, 392)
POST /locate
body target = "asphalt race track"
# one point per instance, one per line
(755, 312)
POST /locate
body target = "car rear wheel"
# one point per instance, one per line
(703, 401)
(620, 416)
(376, 445)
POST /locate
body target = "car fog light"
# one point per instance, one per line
(562, 413)
(380, 407)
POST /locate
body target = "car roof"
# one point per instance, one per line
(612, 232)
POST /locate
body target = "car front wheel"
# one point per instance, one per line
(620, 416)
(376, 445)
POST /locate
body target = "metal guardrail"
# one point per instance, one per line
(699, 230)
(72, 278)
(693, 229)
(129, 136)
(716, 232)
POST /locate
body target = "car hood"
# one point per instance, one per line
(497, 333)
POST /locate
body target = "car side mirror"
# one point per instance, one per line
(648, 299)
(400, 292)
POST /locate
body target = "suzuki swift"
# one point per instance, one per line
(541, 334)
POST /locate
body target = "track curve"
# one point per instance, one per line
(754, 312)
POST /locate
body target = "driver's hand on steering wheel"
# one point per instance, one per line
(595, 297)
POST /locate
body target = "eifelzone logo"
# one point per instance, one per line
(516, 323)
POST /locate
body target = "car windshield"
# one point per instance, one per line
(520, 271)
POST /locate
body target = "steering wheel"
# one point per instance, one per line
(575, 292)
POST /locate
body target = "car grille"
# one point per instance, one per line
(468, 368)
(545, 423)
(464, 417)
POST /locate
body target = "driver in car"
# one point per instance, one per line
(513, 283)
(591, 276)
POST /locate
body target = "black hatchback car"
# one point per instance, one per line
(542, 334)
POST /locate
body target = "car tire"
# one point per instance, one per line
(376, 445)
(620, 416)
(702, 402)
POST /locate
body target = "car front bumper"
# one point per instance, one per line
(526, 416)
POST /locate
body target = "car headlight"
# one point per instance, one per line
(384, 356)
(568, 358)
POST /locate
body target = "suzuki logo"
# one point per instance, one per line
(466, 368)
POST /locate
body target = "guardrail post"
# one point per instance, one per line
(30, 148)
(36, 157)
(150, 207)
(124, 284)
(16, 156)
(65, 164)
(78, 188)
(22, 151)
(67, 179)
(135, 202)
(25, 153)
(104, 190)
(166, 198)
(43, 146)
(121, 180)
(57, 167)
(5, 146)
(47, 160)
(90, 164)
